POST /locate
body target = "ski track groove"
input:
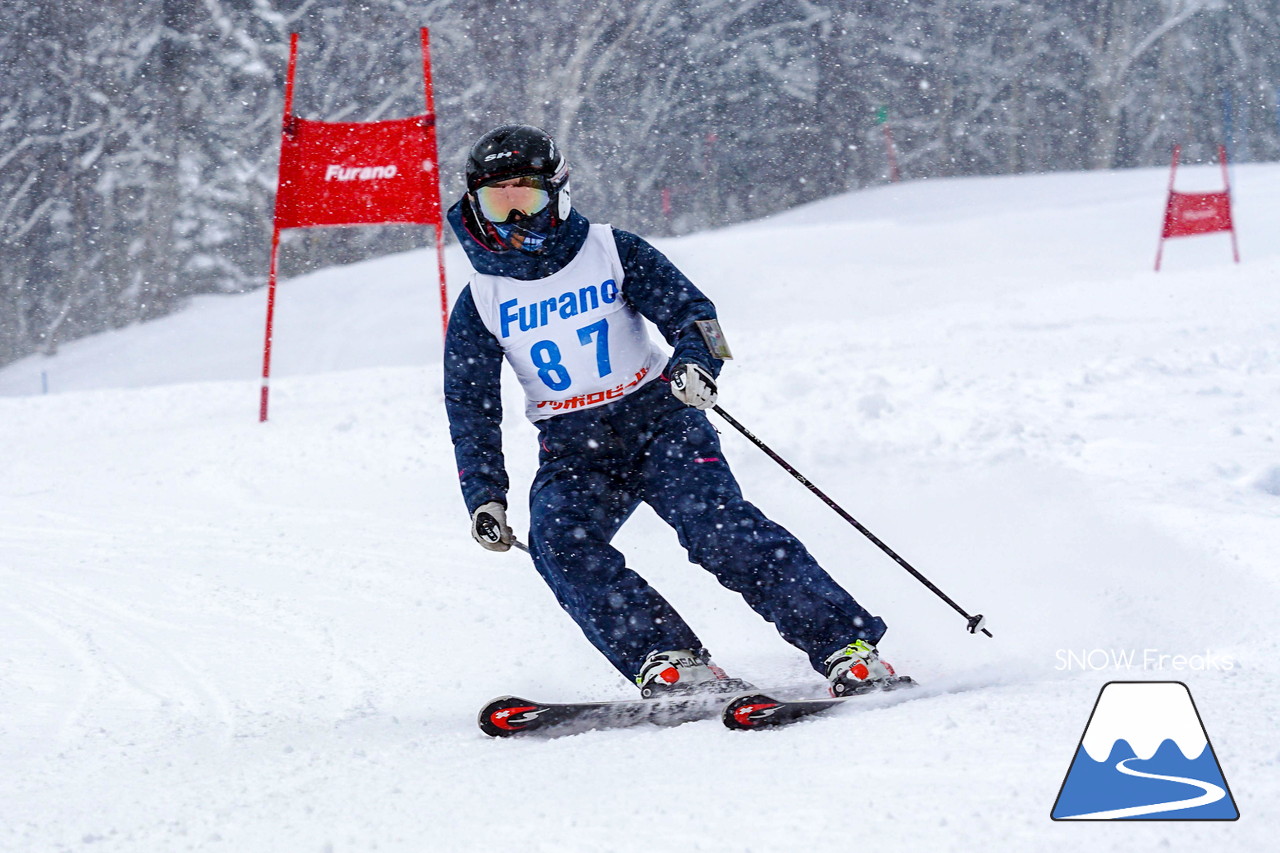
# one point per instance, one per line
(104, 622)
(78, 651)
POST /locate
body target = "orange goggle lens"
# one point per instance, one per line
(497, 203)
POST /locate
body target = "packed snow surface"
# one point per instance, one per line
(222, 635)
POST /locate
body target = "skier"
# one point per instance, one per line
(619, 422)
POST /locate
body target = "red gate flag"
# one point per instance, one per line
(348, 173)
(355, 173)
(1189, 214)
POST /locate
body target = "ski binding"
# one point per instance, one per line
(759, 710)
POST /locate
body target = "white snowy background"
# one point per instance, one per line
(221, 635)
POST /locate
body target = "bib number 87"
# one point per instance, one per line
(546, 356)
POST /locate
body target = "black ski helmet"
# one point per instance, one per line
(519, 150)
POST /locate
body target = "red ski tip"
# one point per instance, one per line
(751, 715)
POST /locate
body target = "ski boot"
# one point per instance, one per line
(850, 669)
(684, 671)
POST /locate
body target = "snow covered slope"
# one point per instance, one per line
(220, 635)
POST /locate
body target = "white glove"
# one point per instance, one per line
(694, 386)
(489, 527)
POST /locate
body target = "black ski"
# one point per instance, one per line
(759, 710)
(511, 715)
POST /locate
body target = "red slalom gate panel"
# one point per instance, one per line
(1190, 214)
(347, 173)
(354, 173)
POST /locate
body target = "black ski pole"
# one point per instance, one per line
(975, 623)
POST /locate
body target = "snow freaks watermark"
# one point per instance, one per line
(1137, 728)
(1147, 660)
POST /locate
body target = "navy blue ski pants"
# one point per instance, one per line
(597, 465)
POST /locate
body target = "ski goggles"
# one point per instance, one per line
(527, 195)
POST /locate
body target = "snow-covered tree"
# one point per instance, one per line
(138, 138)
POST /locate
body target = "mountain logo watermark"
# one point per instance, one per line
(1145, 755)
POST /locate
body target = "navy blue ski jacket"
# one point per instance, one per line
(473, 357)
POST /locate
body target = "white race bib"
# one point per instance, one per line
(573, 341)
